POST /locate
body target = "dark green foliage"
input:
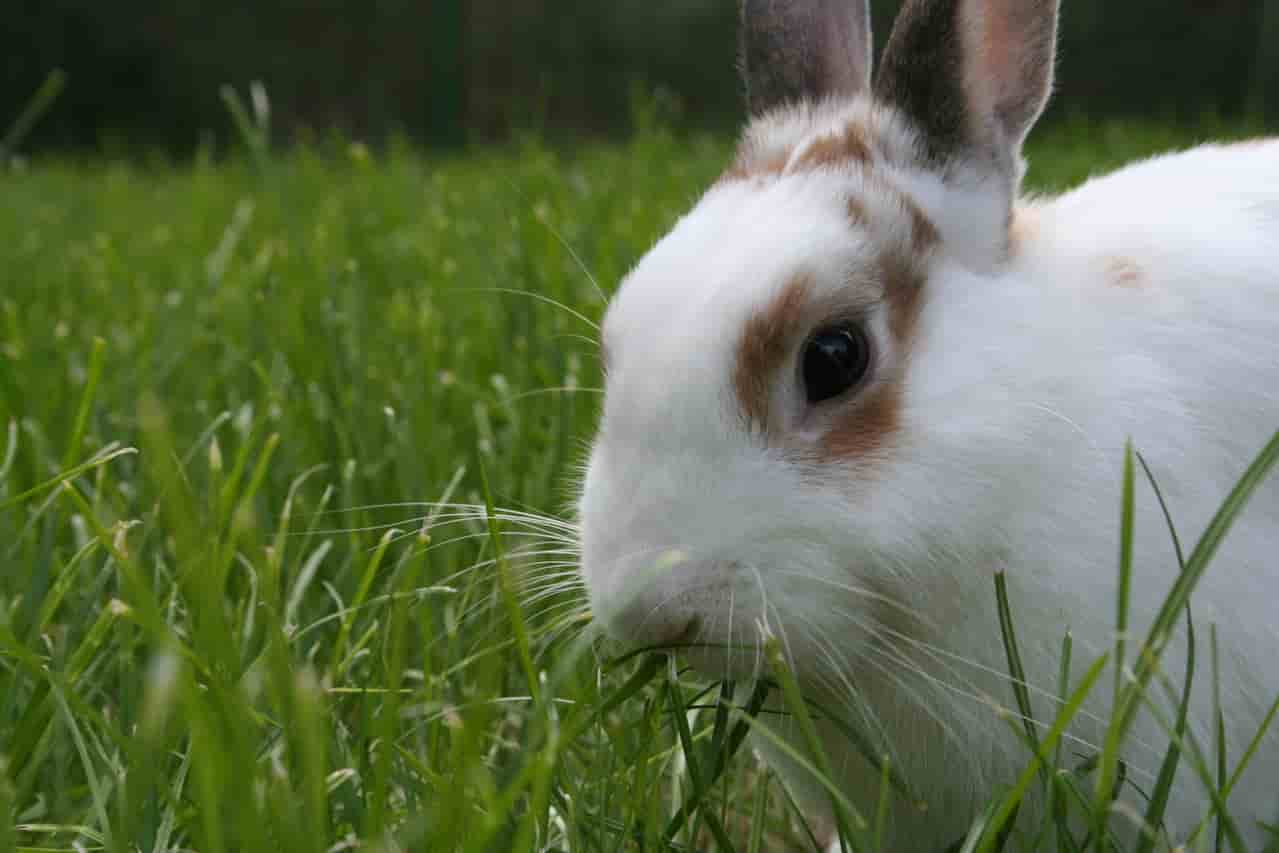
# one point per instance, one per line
(145, 74)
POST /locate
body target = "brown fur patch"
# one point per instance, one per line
(869, 422)
(904, 293)
(1125, 273)
(863, 425)
(866, 426)
(766, 340)
(866, 423)
(851, 146)
(924, 236)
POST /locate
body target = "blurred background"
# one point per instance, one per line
(445, 72)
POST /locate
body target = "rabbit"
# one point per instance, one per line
(864, 373)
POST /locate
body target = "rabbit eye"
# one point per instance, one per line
(835, 359)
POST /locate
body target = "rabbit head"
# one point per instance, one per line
(754, 466)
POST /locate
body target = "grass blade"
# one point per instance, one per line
(97, 461)
(86, 403)
(1067, 713)
(866, 749)
(39, 104)
(1016, 670)
(1161, 628)
(1219, 729)
(845, 818)
(1168, 768)
(679, 716)
(8, 817)
(734, 741)
(759, 811)
(1126, 524)
(519, 628)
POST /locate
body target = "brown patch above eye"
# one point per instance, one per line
(901, 268)
(924, 236)
(765, 343)
(904, 294)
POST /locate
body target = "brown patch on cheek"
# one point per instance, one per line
(866, 427)
(764, 345)
(1125, 273)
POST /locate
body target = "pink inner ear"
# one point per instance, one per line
(1000, 44)
(1000, 47)
(1012, 46)
(987, 40)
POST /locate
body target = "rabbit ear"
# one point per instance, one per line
(973, 75)
(795, 50)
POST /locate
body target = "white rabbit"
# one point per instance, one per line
(863, 374)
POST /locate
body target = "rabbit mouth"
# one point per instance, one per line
(717, 649)
(679, 640)
(738, 661)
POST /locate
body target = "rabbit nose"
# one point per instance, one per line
(665, 607)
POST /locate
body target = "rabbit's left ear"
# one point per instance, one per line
(973, 75)
(804, 50)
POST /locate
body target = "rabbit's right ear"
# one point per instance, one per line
(973, 75)
(804, 50)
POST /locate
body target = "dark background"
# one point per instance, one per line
(451, 71)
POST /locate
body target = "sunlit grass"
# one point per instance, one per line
(286, 447)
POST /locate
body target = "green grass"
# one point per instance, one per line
(229, 620)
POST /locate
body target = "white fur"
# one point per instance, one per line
(1144, 304)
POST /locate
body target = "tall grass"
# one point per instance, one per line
(286, 449)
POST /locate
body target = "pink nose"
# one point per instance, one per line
(660, 600)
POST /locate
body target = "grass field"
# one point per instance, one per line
(231, 618)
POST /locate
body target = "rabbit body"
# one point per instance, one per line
(1141, 305)
(999, 353)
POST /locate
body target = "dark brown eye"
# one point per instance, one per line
(835, 359)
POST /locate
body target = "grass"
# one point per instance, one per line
(269, 431)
